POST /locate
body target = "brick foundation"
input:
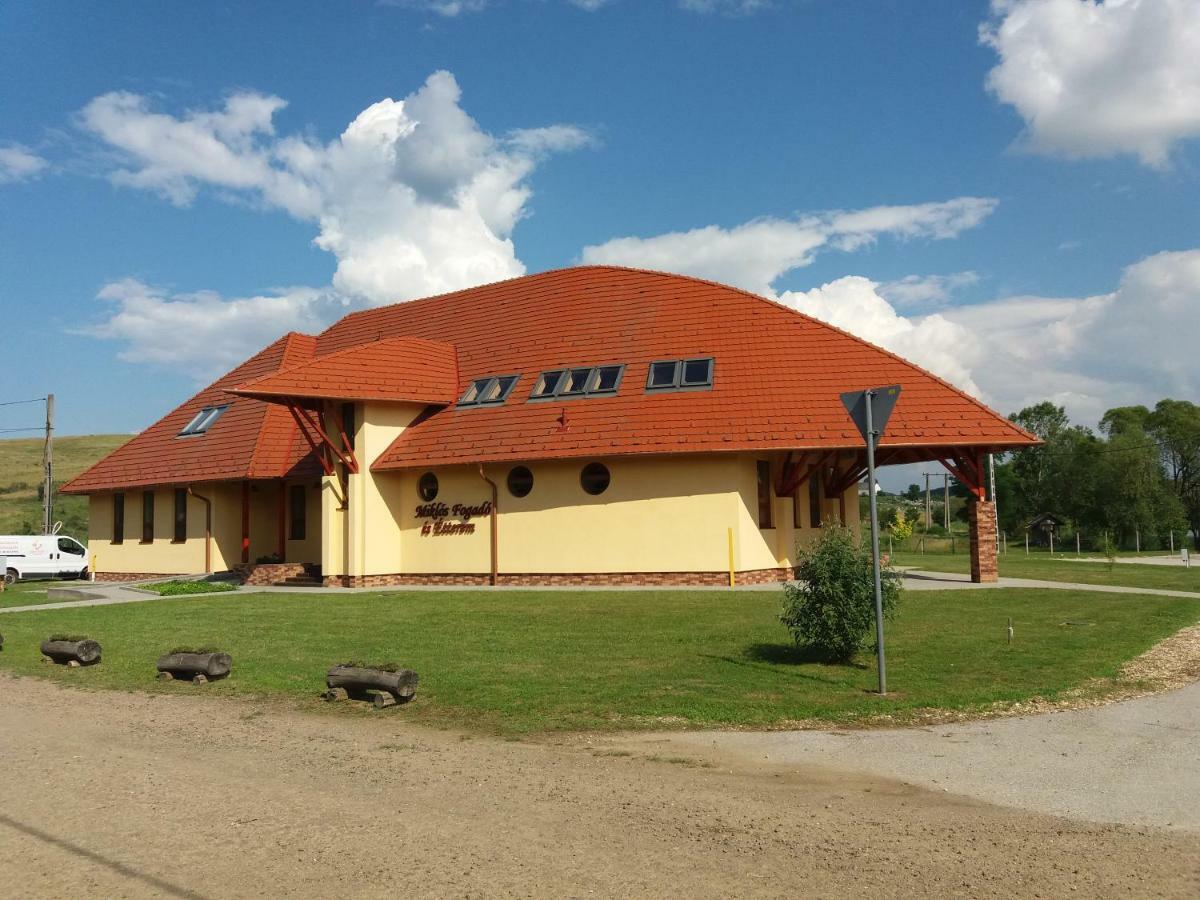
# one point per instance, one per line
(264, 574)
(564, 579)
(981, 519)
(118, 577)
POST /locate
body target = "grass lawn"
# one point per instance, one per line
(1048, 568)
(27, 593)
(517, 662)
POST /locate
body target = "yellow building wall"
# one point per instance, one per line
(167, 557)
(362, 539)
(659, 514)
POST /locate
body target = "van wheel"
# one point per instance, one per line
(10, 576)
(83, 575)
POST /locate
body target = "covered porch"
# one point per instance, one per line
(839, 469)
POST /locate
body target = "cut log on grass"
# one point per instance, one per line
(383, 700)
(335, 694)
(1, 642)
(189, 665)
(401, 684)
(85, 652)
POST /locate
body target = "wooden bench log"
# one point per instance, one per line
(189, 665)
(401, 684)
(85, 652)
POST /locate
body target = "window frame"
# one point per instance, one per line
(508, 481)
(421, 480)
(118, 518)
(591, 383)
(180, 517)
(815, 500)
(481, 387)
(593, 466)
(297, 491)
(147, 517)
(677, 380)
(202, 421)
(765, 491)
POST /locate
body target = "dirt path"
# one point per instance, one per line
(131, 795)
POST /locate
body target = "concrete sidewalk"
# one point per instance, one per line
(919, 580)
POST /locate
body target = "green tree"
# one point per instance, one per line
(1175, 425)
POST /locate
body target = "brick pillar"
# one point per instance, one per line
(982, 520)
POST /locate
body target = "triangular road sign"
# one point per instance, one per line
(882, 404)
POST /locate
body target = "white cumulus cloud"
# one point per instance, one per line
(412, 199)
(203, 333)
(754, 255)
(926, 291)
(18, 163)
(1099, 77)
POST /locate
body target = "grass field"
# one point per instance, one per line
(1048, 568)
(21, 473)
(27, 593)
(517, 662)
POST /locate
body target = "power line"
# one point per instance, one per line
(11, 430)
(19, 402)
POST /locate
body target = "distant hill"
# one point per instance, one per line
(21, 478)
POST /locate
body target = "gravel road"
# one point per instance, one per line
(138, 795)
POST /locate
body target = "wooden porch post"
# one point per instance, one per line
(245, 521)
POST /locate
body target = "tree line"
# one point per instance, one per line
(1136, 479)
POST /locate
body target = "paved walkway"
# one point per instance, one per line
(97, 594)
(1133, 762)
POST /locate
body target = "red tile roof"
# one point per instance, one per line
(252, 439)
(777, 379)
(400, 369)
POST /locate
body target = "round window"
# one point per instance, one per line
(427, 487)
(520, 481)
(595, 478)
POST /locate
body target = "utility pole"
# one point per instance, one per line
(995, 505)
(928, 506)
(946, 501)
(48, 469)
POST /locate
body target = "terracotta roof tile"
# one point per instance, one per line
(252, 439)
(401, 369)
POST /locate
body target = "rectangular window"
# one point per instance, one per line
(147, 516)
(118, 532)
(348, 424)
(584, 381)
(766, 518)
(492, 390)
(814, 500)
(606, 380)
(203, 420)
(680, 374)
(297, 510)
(180, 515)
(663, 375)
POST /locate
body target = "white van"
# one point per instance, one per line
(43, 556)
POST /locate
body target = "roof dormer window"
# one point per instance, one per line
(585, 381)
(490, 391)
(680, 374)
(203, 420)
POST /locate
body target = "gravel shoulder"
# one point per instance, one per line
(189, 796)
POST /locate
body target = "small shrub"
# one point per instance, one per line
(901, 527)
(831, 610)
(175, 588)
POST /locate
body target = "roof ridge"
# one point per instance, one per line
(288, 340)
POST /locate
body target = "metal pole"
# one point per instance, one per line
(48, 469)
(995, 505)
(875, 547)
(946, 500)
(928, 504)
(1077, 542)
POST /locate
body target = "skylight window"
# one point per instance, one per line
(490, 391)
(680, 374)
(203, 420)
(585, 381)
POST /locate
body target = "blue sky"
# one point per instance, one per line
(970, 184)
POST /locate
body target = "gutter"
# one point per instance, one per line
(495, 534)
